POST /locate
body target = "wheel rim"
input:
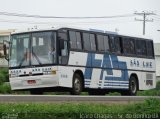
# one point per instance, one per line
(133, 86)
(77, 85)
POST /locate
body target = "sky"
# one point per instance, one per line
(84, 8)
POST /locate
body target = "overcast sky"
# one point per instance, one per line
(83, 8)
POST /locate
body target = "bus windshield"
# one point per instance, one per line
(32, 49)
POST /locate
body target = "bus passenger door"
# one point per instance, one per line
(63, 47)
(63, 52)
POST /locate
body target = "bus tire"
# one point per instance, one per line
(77, 85)
(133, 86)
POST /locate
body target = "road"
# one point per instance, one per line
(70, 98)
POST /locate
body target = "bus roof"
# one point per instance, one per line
(78, 28)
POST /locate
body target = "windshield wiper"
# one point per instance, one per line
(37, 58)
(23, 59)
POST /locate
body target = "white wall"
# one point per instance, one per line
(157, 57)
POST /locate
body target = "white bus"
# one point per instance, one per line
(80, 60)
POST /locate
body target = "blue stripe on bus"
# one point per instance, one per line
(86, 86)
(118, 82)
(116, 85)
(109, 78)
(109, 62)
(87, 81)
(96, 62)
(106, 87)
(114, 61)
(88, 71)
(122, 65)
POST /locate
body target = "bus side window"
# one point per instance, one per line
(100, 42)
(132, 46)
(150, 51)
(106, 43)
(103, 43)
(141, 47)
(86, 42)
(93, 42)
(75, 40)
(115, 44)
(128, 46)
(78, 41)
(72, 36)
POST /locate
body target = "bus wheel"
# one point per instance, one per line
(133, 87)
(36, 92)
(77, 85)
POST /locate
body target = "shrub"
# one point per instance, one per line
(158, 85)
(1, 78)
(4, 75)
(5, 88)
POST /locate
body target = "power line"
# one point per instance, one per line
(27, 22)
(144, 14)
(51, 23)
(158, 18)
(62, 17)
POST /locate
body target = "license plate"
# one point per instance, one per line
(31, 81)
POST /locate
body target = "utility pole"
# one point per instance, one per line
(144, 14)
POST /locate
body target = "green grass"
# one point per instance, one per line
(73, 110)
(113, 94)
(153, 92)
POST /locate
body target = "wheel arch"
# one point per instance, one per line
(136, 77)
(80, 73)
